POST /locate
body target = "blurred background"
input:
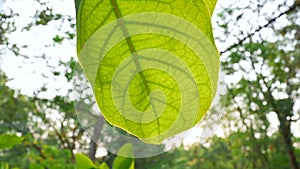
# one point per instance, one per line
(259, 42)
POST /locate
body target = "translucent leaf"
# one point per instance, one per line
(153, 65)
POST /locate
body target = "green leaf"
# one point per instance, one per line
(103, 166)
(77, 4)
(121, 162)
(83, 162)
(210, 4)
(58, 39)
(4, 165)
(35, 166)
(153, 65)
(9, 140)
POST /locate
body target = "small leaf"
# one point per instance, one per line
(9, 140)
(58, 39)
(121, 162)
(35, 166)
(103, 166)
(4, 165)
(83, 162)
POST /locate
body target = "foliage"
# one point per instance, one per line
(84, 162)
(120, 162)
(8, 141)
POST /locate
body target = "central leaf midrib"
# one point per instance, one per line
(129, 41)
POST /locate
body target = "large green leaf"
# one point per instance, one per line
(153, 65)
(9, 140)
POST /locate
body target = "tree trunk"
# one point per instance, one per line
(287, 137)
(284, 112)
(96, 135)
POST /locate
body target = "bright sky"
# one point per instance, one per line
(28, 75)
(39, 41)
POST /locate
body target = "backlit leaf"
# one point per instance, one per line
(153, 65)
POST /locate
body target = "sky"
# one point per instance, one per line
(30, 75)
(39, 41)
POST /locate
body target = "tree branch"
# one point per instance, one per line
(292, 8)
